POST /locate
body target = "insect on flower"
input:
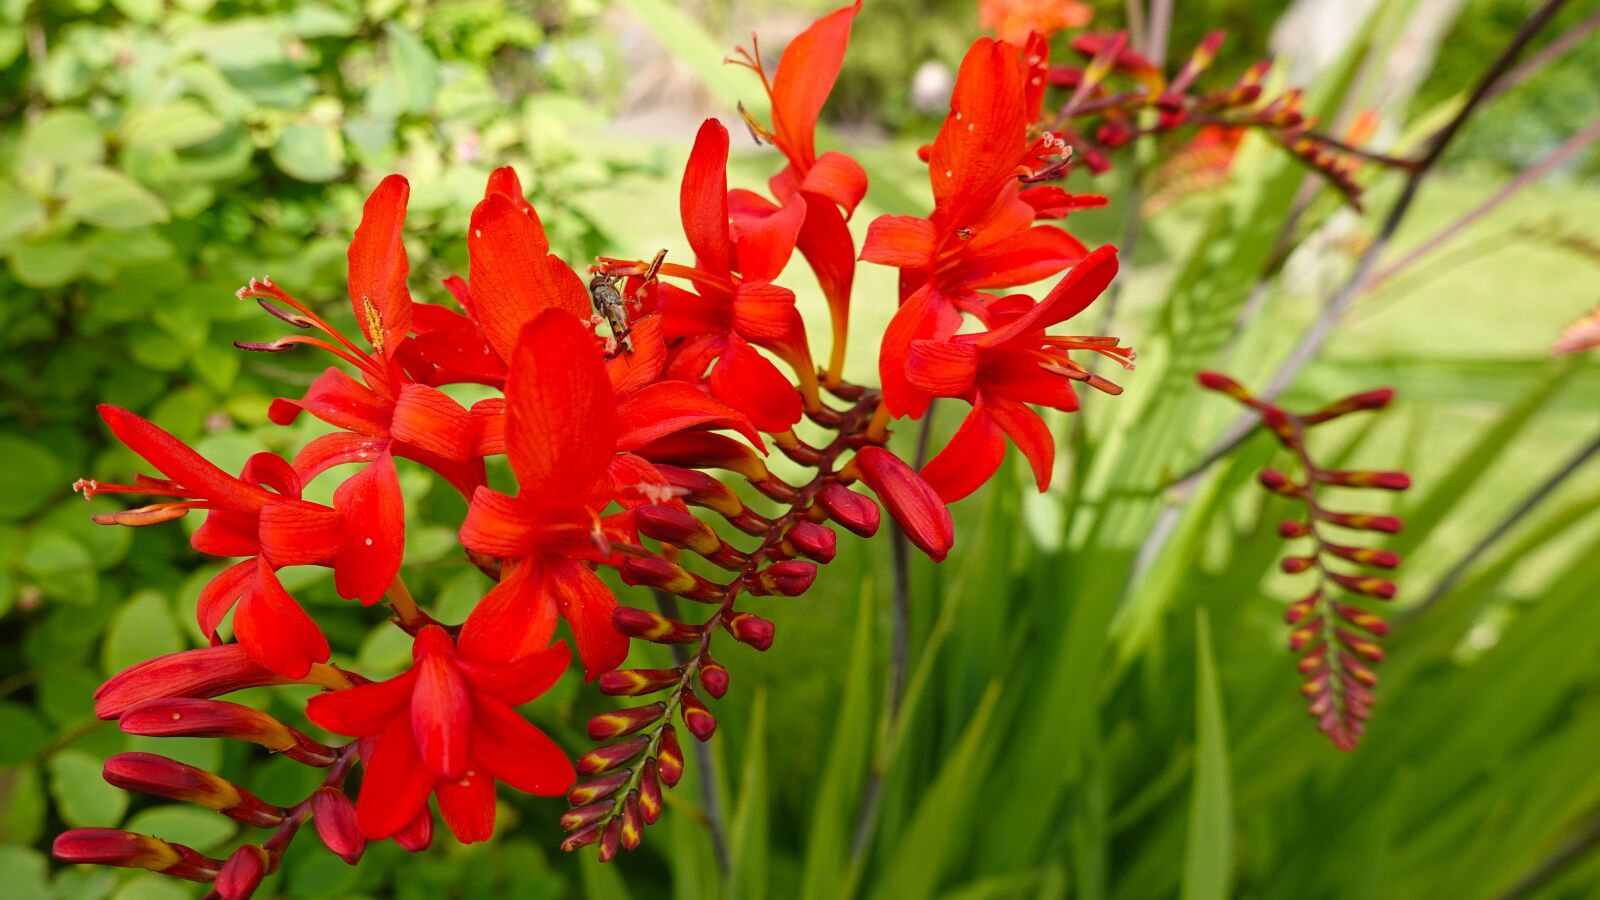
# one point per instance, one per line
(610, 304)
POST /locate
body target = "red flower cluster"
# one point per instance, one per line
(1336, 642)
(610, 424)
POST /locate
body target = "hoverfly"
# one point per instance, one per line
(613, 307)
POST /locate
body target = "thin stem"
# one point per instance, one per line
(410, 616)
(1160, 27)
(705, 758)
(1547, 54)
(1528, 504)
(1575, 848)
(1315, 336)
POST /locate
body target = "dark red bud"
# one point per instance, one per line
(814, 540)
(335, 818)
(242, 873)
(789, 578)
(650, 793)
(913, 503)
(610, 840)
(584, 816)
(669, 757)
(620, 722)
(417, 836)
(603, 759)
(696, 717)
(714, 677)
(1295, 564)
(634, 682)
(632, 822)
(674, 526)
(186, 717)
(115, 847)
(206, 672)
(158, 776)
(699, 489)
(705, 449)
(649, 626)
(598, 788)
(856, 512)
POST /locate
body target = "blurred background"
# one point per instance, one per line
(1088, 714)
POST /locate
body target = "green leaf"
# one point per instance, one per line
(202, 829)
(66, 694)
(143, 629)
(20, 213)
(25, 874)
(748, 842)
(47, 263)
(151, 887)
(30, 478)
(63, 137)
(22, 805)
(601, 881)
(22, 734)
(83, 798)
(412, 77)
(109, 199)
(139, 10)
(170, 126)
(312, 153)
(107, 545)
(62, 567)
(1208, 855)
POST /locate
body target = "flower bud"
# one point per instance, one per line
(713, 677)
(653, 571)
(788, 578)
(1301, 608)
(856, 512)
(1362, 521)
(650, 793)
(184, 717)
(1365, 585)
(1361, 619)
(335, 818)
(114, 847)
(634, 682)
(1305, 635)
(206, 672)
(1354, 668)
(417, 836)
(705, 449)
(632, 823)
(1389, 481)
(814, 540)
(611, 840)
(669, 757)
(603, 759)
(750, 629)
(1296, 564)
(242, 873)
(1368, 400)
(582, 838)
(1358, 645)
(1383, 559)
(653, 627)
(699, 489)
(598, 788)
(1291, 529)
(1279, 483)
(1313, 662)
(620, 722)
(696, 717)
(584, 816)
(674, 526)
(922, 515)
(158, 776)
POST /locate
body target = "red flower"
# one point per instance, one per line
(832, 184)
(447, 727)
(980, 235)
(1002, 370)
(258, 515)
(741, 242)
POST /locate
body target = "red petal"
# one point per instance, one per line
(221, 592)
(668, 407)
(500, 526)
(511, 749)
(982, 140)
(561, 420)
(942, 368)
(522, 679)
(273, 472)
(512, 621)
(427, 418)
(364, 710)
(374, 535)
(685, 314)
(504, 180)
(337, 448)
(228, 533)
(378, 266)
(489, 418)
(913, 503)
(826, 244)
(970, 459)
(275, 631)
(396, 785)
(1029, 432)
(441, 714)
(1035, 71)
(1023, 258)
(765, 314)
(341, 401)
(751, 384)
(901, 241)
(837, 177)
(297, 533)
(763, 243)
(806, 73)
(1072, 295)
(467, 805)
(587, 605)
(512, 276)
(1015, 375)
(176, 460)
(703, 199)
(449, 349)
(1052, 202)
(926, 315)
(631, 371)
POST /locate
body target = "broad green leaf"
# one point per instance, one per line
(61, 566)
(151, 887)
(20, 213)
(46, 263)
(601, 881)
(66, 694)
(1208, 855)
(83, 798)
(139, 10)
(411, 79)
(22, 734)
(170, 126)
(748, 842)
(64, 137)
(109, 199)
(22, 804)
(29, 479)
(25, 874)
(143, 629)
(312, 153)
(194, 826)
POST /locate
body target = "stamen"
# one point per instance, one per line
(374, 323)
(297, 321)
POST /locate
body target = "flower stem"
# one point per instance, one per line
(705, 756)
